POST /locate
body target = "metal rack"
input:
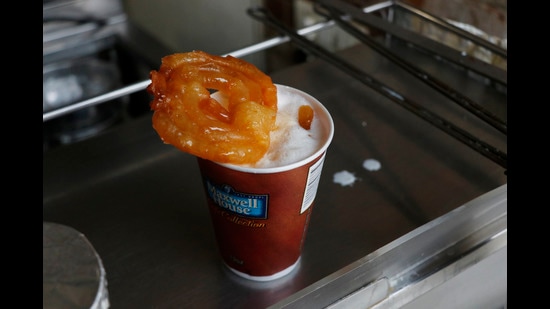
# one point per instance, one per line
(335, 13)
(346, 16)
(140, 86)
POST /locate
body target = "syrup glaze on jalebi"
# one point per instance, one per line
(236, 130)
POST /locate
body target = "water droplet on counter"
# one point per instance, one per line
(344, 178)
(371, 165)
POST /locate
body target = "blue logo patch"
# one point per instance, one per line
(247, 205)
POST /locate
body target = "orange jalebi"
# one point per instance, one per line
(234, 130)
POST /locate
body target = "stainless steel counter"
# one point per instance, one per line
(141, 205)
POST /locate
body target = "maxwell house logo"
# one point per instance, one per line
(243, 204)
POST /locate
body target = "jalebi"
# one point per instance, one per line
(234, 130)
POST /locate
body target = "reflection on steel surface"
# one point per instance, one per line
(460, 246)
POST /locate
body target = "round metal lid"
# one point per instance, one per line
(73, 275)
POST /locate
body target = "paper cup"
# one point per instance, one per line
(260, 215)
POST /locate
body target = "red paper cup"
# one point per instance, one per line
(260, 215)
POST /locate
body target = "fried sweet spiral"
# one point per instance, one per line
(233, 130)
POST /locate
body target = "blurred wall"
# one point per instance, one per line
(214, 26)
(490, 16)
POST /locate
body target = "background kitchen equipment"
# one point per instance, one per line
(84, 56)
(128, 37)
(70, 81)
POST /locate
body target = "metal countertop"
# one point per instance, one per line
(141, 204)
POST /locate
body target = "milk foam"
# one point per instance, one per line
(289, 141)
